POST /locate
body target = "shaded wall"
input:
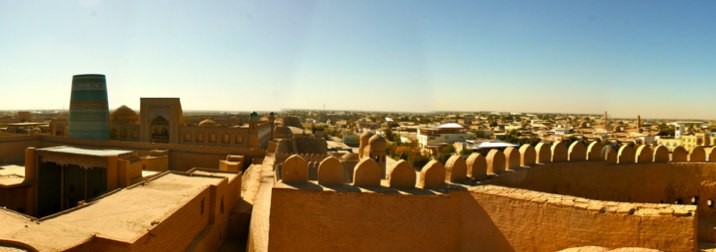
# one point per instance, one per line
(15, 198)
(506, 219)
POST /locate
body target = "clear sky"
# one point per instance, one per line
(654, 58)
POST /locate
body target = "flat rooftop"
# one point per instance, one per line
(123, 216)
(26, 124)
(86, 152)
(230, 175)
(11, 175)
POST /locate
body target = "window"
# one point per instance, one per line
(221, 207)
(202, 207)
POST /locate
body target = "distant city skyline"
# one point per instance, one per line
(650, 58)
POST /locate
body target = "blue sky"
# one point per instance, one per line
(654, 58)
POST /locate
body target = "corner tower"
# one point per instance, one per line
(89, 111)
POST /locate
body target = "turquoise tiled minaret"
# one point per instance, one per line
(89, 111)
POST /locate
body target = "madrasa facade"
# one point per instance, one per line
(161, 120)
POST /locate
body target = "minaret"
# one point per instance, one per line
(606, 127)
(253, 130)
(89, 112)
(638, 123)
(272, 118)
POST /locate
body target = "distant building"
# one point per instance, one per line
(161, 121)
(688, 134)
(24, 116)
(688, 141)
(686, 127)
(442, 135)
(27, 128)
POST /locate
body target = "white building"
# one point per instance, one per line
(442, 135)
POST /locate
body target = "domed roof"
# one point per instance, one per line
(283, 131)
(349, 157)
(208, 123)
(124, 114)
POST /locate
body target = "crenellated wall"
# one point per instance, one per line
(542, 198)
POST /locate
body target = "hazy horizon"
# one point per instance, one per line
(648, 58)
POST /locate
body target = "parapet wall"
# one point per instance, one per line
(520, 220)
(12, 149)
(181, 157)
(481, 218)
(672, 183)
(589, 221)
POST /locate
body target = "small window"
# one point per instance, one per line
(221, 207)
(678, 202)
(710, 203)
(695, 200)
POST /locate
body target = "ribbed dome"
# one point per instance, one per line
(208, 123)
(124, 114)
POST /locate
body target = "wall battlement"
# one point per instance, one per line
(477, 167)
(483, 203)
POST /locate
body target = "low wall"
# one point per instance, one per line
(683, 182)
(481, 218)
(12, 149)
(506, 219)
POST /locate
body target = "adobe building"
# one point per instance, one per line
(67, 198)
(173, 211)
(60, 177)
(161, 120)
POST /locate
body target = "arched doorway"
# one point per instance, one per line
(160, 130)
